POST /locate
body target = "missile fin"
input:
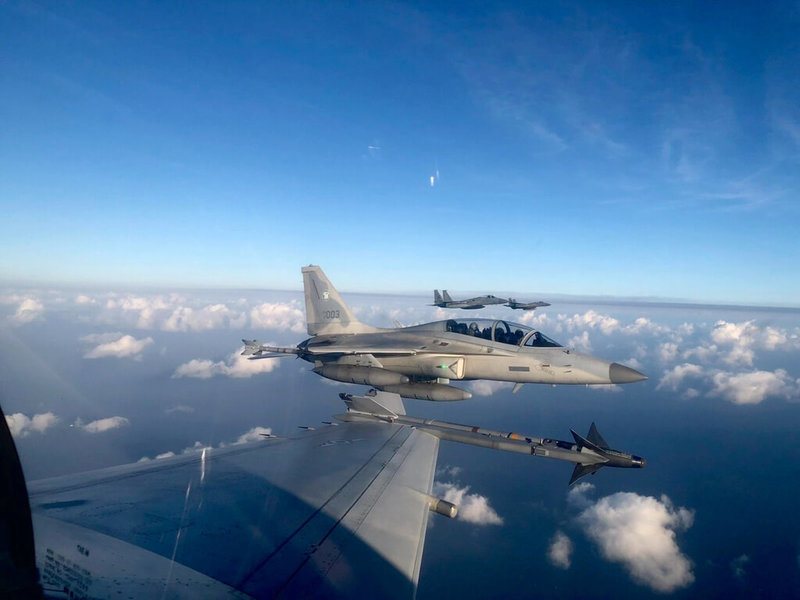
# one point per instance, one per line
(595, 437)
(583, 470)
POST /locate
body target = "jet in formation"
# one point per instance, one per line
(525, 305)
(420, 361)
(338, 512)
(444, 300)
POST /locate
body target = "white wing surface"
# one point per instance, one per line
(338, 512)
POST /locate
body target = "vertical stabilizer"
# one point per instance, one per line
(326, 312)
(446, 296)
(437, 297)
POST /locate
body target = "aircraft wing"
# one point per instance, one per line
(338, 512)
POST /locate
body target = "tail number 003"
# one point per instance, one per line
(331, 314)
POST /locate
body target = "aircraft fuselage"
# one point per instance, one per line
(430, 351)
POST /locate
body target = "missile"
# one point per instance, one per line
(437, 392)
(374, 376)
(589, 454)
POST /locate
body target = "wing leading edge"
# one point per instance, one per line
(338, 512)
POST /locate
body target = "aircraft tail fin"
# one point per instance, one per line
(326, 312)
(437, 297)
(446, 296)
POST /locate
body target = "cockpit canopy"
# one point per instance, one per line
(500, 331)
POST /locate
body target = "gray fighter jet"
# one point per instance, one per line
(525, 305)
(444, 300)
(421, 360)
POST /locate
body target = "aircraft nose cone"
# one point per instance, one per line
(618, 373)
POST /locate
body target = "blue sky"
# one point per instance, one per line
(582, 149)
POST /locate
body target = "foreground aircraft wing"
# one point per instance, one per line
(338, 512)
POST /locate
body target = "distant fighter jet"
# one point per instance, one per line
(444, 300)
(419, 361)
(525, 305)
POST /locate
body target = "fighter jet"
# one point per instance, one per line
(444, 300)
(421, 360)
(525, 305)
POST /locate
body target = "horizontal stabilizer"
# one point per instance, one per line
(583, 470)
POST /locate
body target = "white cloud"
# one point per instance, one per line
(668, 351)
(593, 320)
(102, 425)
(472, 508)
(448, 471)
(745, 337)
(633, 363)
(578, 495)
(213, 316)
(21, 425)
(176, 313)
(278, 315)
(673, 378)
(645, 325)
(29, 309)
(734, 333)
(140, 311)
(753, 387)
(581, 342)
(606, 387)
(702, 353)
(639, 532)
(180, 408)
(112, 346)
(738, 564)
(559, 552)
(84, 299)
(534, 318)
(235, 365)
(255, 434)
(485, 387)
